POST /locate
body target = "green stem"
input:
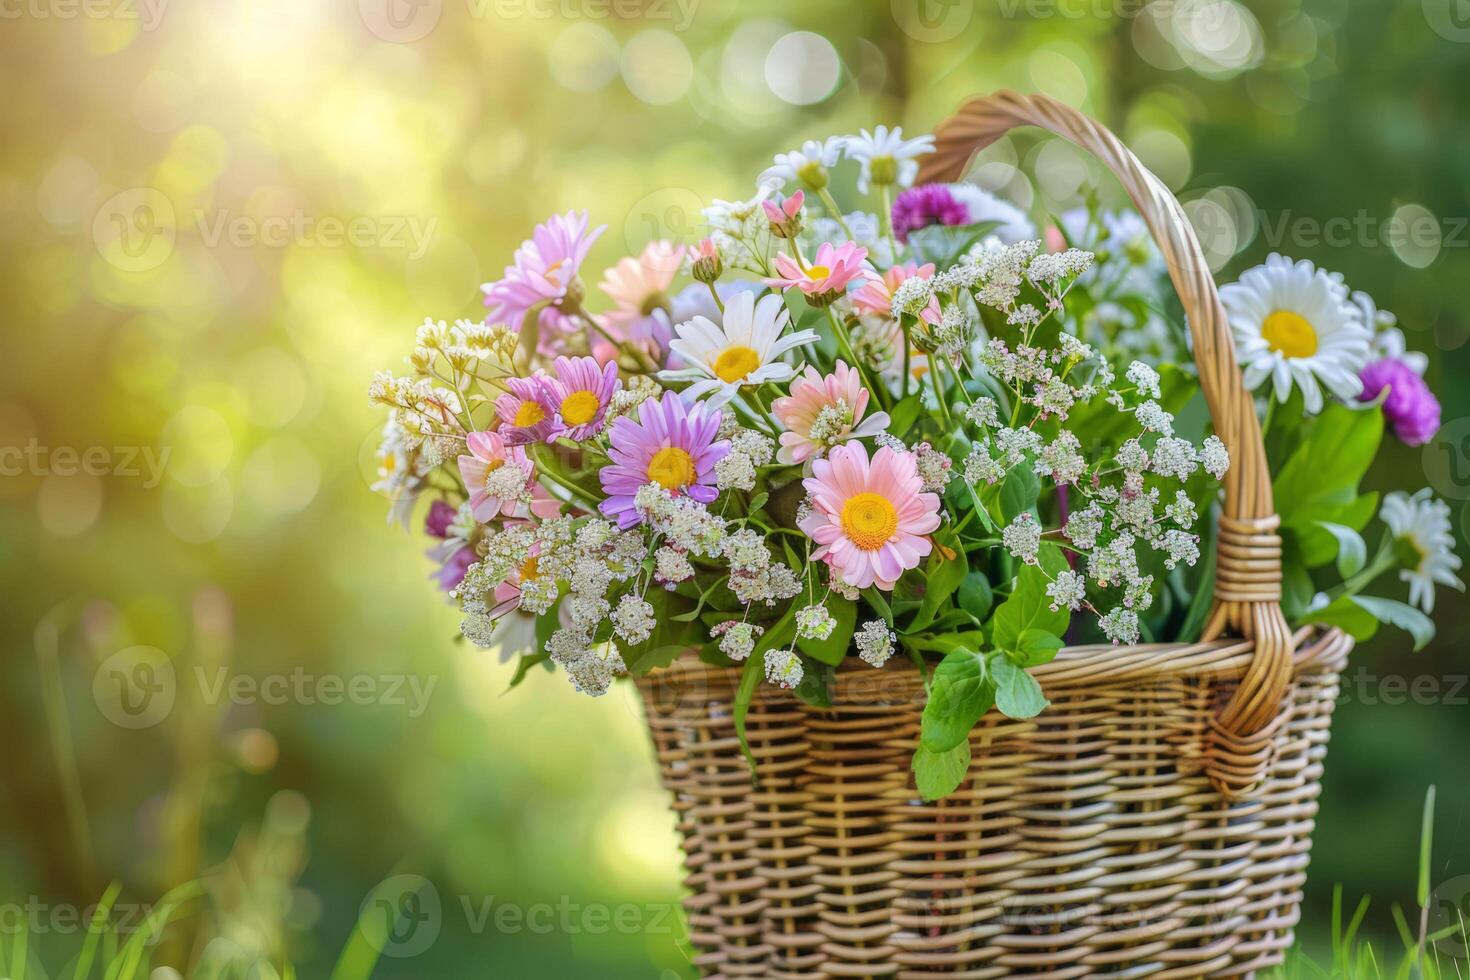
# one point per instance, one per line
(834, 211)
(845, 342)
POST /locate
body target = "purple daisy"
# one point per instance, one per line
(577, 395)
(543, 267)
(925, 205)
(671, 444)
(522, 411)
(1410, 406)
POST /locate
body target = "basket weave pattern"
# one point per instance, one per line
(1086, 842)
(1154, 820)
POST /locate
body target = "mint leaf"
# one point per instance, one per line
(1028, 606)
(960, 692)
(1017, 694)
(1037, 647)
(938, 774)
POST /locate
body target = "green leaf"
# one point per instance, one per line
(1019, 492)
(755, 668)
(1347, 615)
(1317, 546)
(943, 578)
(879, 604)
(904, 415)
(1204, 590)
(1037, 647)
(1328, 465)
(1399, 614)
(831, 650)
(938, 774)
(975, 595)
(1017, 694)
(750, 678)
(1352, 552)
(960, 693)
(815, 688)
(1028, 606)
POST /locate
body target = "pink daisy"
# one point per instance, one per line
(577, 395)
(639, 288)
(833, 268)
(871, 520)
(543, 267)
(523, 414)
(488, 455)
(875, 297)
(671, 444)
(822, 411)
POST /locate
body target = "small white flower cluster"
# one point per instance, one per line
(470, 349)
(749, 450)
(875, 642)
(754, 575)
(737, 639)
(636, 390)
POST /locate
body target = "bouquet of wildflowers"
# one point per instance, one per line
(917, 428)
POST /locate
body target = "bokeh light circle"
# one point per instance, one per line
(656, 67)
(802, 68)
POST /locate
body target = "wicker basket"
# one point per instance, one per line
(1154, 821)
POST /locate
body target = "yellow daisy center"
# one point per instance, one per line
(530, 569)
(579, 408)
(869, 520)
(528, 414)
(494, 464)
(735, 362)
(818, 272)
(671, 468)
(1289, 334)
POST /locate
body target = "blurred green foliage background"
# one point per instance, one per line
(219, 219)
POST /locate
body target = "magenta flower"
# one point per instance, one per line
(1410, 406)
(833, 268)
(441, 514)
(543, 267)
(671, 444)
(871, 519)
(925, 205)
(577, 395)
(522, 412)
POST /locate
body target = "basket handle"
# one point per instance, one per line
(1248, 559)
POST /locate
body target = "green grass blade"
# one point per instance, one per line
(101, 915)
(1426, 846)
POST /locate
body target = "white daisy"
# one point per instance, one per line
(808, 164)
(1294, 324)
(1388, 339)
(1422, 523)
(1012, 225)
(744, 351)
(886, 157)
